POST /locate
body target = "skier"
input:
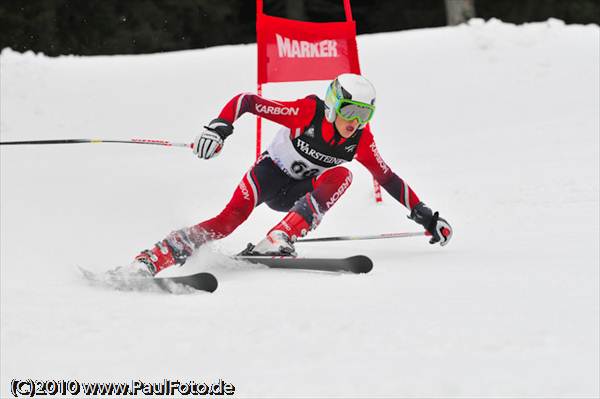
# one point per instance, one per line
(299, 173)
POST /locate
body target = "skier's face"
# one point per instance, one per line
(345, 128)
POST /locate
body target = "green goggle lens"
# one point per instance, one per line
(351, 110)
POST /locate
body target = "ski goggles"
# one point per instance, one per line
(354, 110)
(349, 109)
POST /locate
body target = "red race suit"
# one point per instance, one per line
(304, 157)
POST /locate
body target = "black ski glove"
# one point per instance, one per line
(220, 126)
(439, 228)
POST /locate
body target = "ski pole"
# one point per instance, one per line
(366, 237)
(98, 141)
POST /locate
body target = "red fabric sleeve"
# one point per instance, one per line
(368, 155)
(287, 113)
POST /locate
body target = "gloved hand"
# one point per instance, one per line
(210, 142)
(439, 228)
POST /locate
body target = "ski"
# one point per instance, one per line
(122, 280)
(199, 281)
(352, 264)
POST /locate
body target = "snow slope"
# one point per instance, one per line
(494, 125)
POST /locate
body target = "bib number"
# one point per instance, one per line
(301, 169)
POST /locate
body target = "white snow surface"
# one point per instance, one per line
(494, 125)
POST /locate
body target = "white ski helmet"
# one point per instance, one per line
(352, 97)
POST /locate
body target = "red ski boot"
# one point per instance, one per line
(173, 250)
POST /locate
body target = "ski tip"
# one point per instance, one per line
(361, 264)
(212, 283)
(206, 282)
(199, 281)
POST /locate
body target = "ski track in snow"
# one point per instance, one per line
(494, 125)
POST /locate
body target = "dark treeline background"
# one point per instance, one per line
(90, 27)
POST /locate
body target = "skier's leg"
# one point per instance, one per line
(238, 209)
(308, 210)
(260, 183)
(305, 213)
